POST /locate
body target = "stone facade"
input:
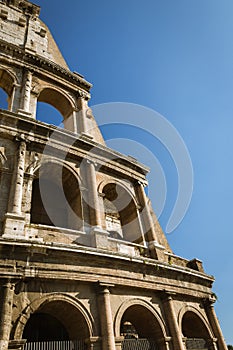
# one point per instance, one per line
(83, 258)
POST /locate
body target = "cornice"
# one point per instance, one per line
(39, 62)
(40, 133)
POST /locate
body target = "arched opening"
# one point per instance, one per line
(121, 215)
(56, 321)
(6, 91)
(56, 198)
(61, 111)
(48, 114)
(141, 329)
(3, 99)
(194, 329)
(44, 327)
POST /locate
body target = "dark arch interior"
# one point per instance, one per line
(143, 322)
(194, 330)
(44, 327)
(56, 198)
(193, 327)
(118, 202)
(56, 320)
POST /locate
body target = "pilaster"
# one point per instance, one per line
(6, 305)
(213, 320)
(106, 320)
(171, 317)
(26, 94)
(81, 115)
(157, 251)
(14, 219)
(93, 199)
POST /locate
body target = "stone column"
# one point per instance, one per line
(213, 320)
(148, 222)
(6, 304)
(106, 321)
(26, 96)
(157, 251)
(164, 343)
(15, 98)
(172, 323)
(93, 343)
(141, 226)
(18, 179)
(28, 197)
(14, 220)
(11, 99)
(99, 237)
(82, 115)
(93, 199)
(212, 344)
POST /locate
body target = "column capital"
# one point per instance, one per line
(83, 95)
(167, 295)
(142, 183)
(92, 162)
(9, 285)
(209, 302)
(104, 287)
(20, 138)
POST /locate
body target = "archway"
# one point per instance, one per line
(57, 99)
(141, 328)
(195, 330)
(7, 87)
(48, 114)
(62, 317)
(56, 198)
(3, 99)
(44, 327)
(56, 324)
(121, 215)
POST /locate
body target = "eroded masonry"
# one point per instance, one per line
(84, 263)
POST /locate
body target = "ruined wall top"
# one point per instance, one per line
(24, 6)
(20, 26)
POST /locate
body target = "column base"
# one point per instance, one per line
(24, 113)
(118, 342)
(16, 344)
(4, 344)
(14, 226)
(86, 136)
(157, 250)
(99, 238)
(93, 343)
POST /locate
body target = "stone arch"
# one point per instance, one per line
(57, 98)
(56, 196)
(145, 319)
(194, 327)
(7, 83)
(189, 308)
(121, 212)
(102, 184)
(38, 165)
(69, 311)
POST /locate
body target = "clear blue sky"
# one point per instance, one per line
(175, 57)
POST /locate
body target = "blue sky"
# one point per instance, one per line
(175, 57)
